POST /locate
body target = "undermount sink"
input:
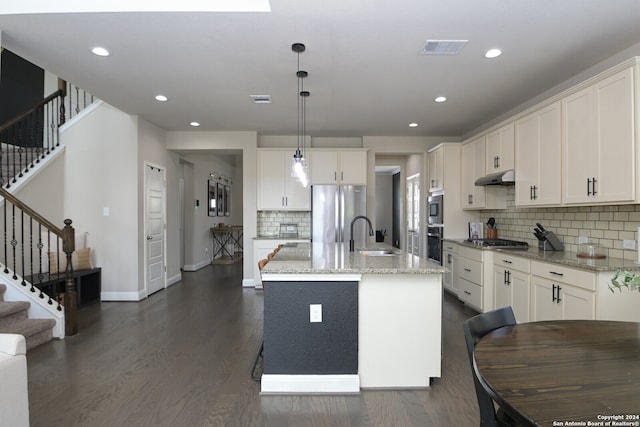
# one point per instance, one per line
(378, 252)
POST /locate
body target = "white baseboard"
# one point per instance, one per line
(249, 283)
(123, 296)
(174, 279)
(271, 383)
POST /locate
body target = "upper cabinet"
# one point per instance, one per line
(500, 150)
(436, 169)
(338, 166)
(538, 153)
(472, 165)
(277, 189)
(599, 148)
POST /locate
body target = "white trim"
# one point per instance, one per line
(348, 383)
(303, 277)
(76, 119)
(196, 267)
(146, 164)
(250, 283)
(174, 279)
(123, 296)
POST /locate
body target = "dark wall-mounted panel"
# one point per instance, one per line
(21, 85)
(293, 345)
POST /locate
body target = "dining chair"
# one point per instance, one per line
(474, 329)
(254, 375)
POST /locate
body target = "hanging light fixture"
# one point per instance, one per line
(299, 163)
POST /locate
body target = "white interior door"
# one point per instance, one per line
(155, 275)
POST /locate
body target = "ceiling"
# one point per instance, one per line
(366, 76)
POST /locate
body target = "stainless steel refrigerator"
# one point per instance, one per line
(333, 207)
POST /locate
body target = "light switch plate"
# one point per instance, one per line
(582, 239)
(315, 313)
(628, 244)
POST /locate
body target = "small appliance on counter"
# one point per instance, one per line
(547, 240)
(288, 230)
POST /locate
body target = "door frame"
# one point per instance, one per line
(144, 226)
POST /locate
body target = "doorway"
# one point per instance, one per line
(155, 228)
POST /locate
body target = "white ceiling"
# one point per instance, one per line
(365, 74)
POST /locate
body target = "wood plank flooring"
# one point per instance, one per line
(182, 357)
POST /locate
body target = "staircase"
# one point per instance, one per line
(14, 319)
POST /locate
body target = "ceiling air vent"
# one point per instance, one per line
(261, 99)
(443, 47)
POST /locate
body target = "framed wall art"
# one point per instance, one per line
(220, 199)
(212, 203)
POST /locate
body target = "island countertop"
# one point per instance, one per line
(335, 258)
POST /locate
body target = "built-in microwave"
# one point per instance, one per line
(435, 209)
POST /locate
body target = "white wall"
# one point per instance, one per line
(101, 170)
(247, 142)
(384, 209)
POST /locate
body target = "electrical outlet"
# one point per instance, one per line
(628, 244)
(206, 250)
(315, 313)
(582, 239)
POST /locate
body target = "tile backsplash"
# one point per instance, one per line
(606, 226)
(269, 222)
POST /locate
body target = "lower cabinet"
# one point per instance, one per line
(511, 285)
(450, 262)
(470, 277)
(561, 293)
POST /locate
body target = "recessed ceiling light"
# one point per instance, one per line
(161, 98)
(100, 51)
(413, 125)
(440, 99)
(194, 124)
(493, 53)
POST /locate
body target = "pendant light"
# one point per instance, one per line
(299, 163)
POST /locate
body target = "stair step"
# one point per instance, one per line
(35, 331)
(13, 312)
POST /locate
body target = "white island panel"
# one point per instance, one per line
(400, 330)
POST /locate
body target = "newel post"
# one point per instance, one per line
(70, 295)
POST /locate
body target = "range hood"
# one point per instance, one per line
(501, 178)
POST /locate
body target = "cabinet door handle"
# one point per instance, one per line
(448, 258)
(470, 199)
(558, 294)
(535, 192)
(593, 186)
(342, 176)
(508, 277)
(504, 279)
(556, 274)
(335, 176)
(283, 201)
(553, 294)
(588, 186)
(531, 192)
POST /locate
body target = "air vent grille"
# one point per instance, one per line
(261, 99)
(443, 47)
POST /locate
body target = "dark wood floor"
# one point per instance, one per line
(182, 358)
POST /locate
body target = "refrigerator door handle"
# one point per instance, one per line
(336, 216)
(340, 225)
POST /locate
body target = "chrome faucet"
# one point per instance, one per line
(352, 243)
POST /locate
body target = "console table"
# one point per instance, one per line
(227, 241)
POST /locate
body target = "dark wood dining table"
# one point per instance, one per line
(564, 373)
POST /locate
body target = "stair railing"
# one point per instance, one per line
(23, 253)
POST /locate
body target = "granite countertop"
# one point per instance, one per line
(335, 258)
(566, 258)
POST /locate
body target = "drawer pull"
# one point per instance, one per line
(467, 292)
(467, 270)
(506, 261)
(556, 274)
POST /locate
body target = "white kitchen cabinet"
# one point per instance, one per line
(511, 284)
(500, 149)
(450, 262)
(561, 293)
(473, 157)
(538, 157)
(473, 167)
(436, 169)
(598, 142)
(338, 166)
(471, 277)
(277, 189)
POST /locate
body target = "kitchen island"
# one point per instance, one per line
(336, 321)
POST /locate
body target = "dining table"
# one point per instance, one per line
(564, 373)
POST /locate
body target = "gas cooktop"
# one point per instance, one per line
(499, 243)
